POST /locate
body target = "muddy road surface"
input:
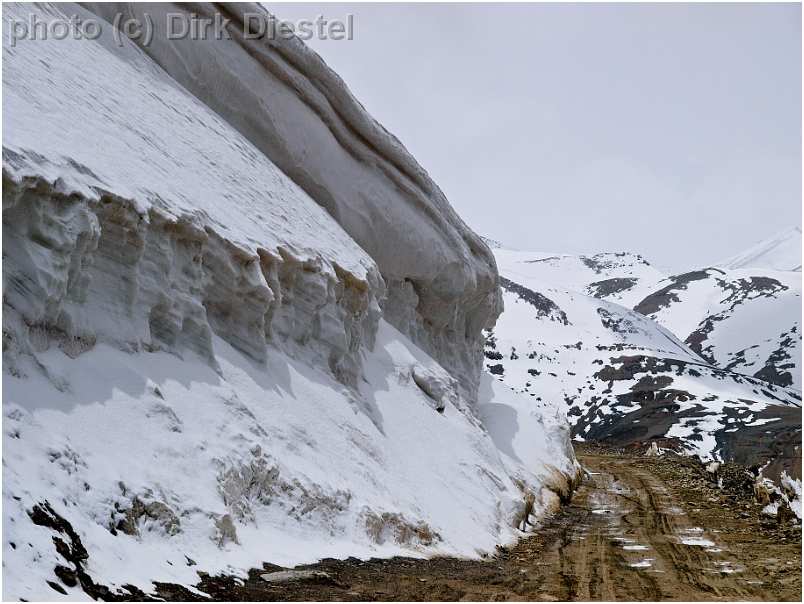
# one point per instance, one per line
(637, 529)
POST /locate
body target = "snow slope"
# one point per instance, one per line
(624, 378)
(620, 277)
(781, 252)
(302, 467)
(198, 369)
(747, 320)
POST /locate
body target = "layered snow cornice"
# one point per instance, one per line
(146, 221)
(441, 277)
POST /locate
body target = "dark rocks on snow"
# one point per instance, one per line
(544, 306)
(608, 287)
(667, 295)
(68, 545)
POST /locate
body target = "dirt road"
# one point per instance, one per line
(637, 529)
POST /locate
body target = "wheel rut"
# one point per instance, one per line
(636, 529)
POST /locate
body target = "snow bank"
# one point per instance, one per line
(279, 94)
(791, 490)
(199, 368)
(303, 467)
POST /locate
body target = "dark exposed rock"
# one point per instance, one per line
(544, 306)
(776, 441)
(538, 260)
(627, 366)
(780, 361)
(69, 546)
(608, 287)
(667, 295)
(616, 323)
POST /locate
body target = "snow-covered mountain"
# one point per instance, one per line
(782, 252)
(624, 378)
(240, 324)
(746, 320)
(620, 277)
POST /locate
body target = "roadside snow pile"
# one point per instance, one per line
(158, 461)
(200, 371)
(441, 280)
(791, 489)
(781, 500)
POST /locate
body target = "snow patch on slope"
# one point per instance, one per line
(620, 277)
(746, 320)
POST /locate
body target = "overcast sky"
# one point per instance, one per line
(669, 130)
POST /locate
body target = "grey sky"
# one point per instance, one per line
(669, 130)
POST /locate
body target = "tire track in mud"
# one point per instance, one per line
(653, 550)
(628, 534)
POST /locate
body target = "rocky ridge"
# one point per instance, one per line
(626, 378)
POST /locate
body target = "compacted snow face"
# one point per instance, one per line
(197, 372)
(91, 116)
(622, 377)
(441, 280)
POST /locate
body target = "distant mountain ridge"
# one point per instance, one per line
(568, 333)
(781, 252)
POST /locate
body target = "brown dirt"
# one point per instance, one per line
(621, 538)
